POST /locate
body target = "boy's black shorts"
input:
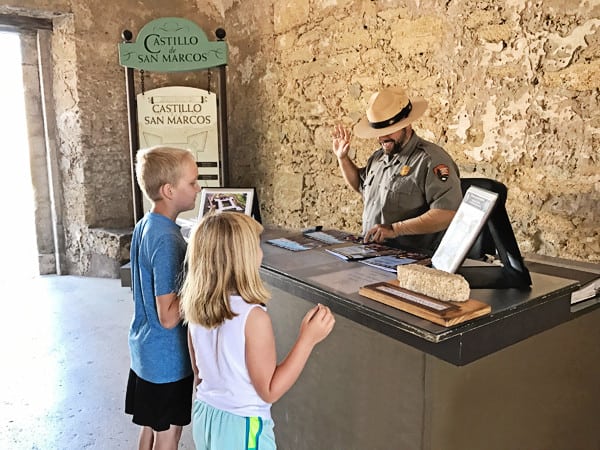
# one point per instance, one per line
(159, 405)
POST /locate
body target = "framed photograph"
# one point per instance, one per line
(226, 199)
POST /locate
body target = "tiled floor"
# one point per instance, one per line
(64, 362)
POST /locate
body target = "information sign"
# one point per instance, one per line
(172, 44)
(183, 117)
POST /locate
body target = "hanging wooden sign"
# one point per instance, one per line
(172, 44)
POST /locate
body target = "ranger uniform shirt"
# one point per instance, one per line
(406, 184)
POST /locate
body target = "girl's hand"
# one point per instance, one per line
(317, 324)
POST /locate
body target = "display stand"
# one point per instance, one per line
(173, 44)
(496, 238)
(443, 313)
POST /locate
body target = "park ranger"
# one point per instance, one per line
(410, 186)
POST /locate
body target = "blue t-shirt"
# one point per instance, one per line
(158, 354)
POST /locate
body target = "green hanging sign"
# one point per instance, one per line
(172, 44)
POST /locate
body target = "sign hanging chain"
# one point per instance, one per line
(209, 79)
(142, 81)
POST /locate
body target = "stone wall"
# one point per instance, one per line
(513, 88)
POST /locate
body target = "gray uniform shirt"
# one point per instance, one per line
(405, 184)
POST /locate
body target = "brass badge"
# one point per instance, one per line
(404, 170)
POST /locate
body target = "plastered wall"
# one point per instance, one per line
(513, 89)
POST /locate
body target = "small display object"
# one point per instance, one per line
(466, 225)
(226, 199)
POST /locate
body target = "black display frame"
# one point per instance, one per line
(498, 239)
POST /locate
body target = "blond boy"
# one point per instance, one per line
(159, 388)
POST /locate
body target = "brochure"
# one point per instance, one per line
(294, 244)
(391, 262)
(589, 290)
(330, 236)
(363, 251)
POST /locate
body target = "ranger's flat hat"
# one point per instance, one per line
(389, 110)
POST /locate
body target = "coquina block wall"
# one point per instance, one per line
(513, 90)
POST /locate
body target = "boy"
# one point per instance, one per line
(159, 389)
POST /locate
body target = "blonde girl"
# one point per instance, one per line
(230, 335)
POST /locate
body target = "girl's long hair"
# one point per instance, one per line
(222, 259)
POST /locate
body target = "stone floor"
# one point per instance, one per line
(64, 364)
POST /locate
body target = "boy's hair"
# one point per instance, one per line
(222, 259)
(157, 166)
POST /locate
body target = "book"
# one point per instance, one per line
(466, 225)
(391, 262)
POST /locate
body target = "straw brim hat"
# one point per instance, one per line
(389, 111)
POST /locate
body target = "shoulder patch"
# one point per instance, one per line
(442, 171)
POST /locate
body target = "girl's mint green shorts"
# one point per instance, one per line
(214, 429)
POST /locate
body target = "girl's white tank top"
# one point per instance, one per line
(221, 360)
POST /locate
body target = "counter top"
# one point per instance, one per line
(317, 276)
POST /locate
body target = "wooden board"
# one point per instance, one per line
(436, 311)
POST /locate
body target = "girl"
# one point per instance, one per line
(231, 341)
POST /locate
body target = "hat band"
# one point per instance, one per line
(397, 118)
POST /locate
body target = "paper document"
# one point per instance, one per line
(464, 229)
(590, 290)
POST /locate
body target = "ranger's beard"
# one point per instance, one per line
(390, 145)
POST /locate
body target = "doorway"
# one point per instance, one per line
(17, 225)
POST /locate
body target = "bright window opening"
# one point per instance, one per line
(17, 225)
